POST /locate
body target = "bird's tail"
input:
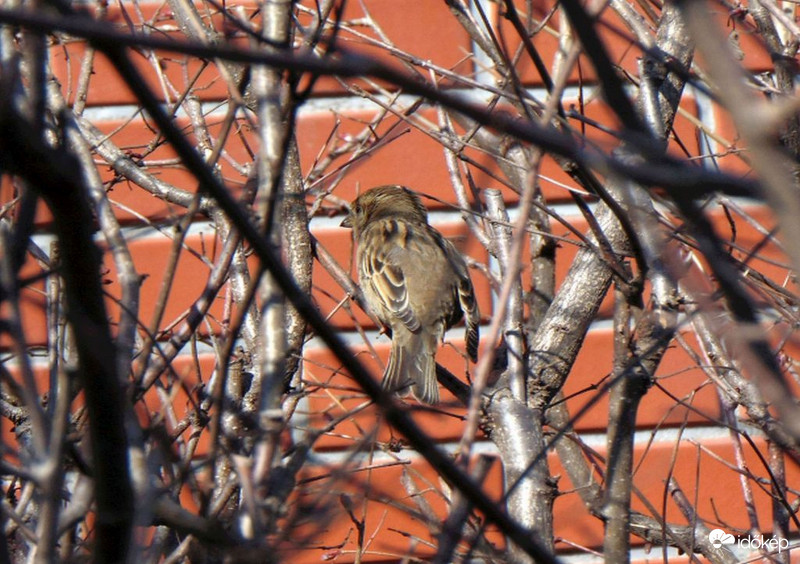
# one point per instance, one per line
(412, 366)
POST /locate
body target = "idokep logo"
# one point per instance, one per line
(718, 537)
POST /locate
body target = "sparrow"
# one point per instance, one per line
(415, 281)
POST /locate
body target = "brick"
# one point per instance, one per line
(333, 394)
(407, 156)
(717, 482)
(713, 482)
(129, 201)
(584, 115)
(411, 157)
(32, 306)
(677, 378)
(553, 181)
(748, 239)
(596, 111)
(150, 259)
(176, 395)
(133, 138)
(681, 394)
(416, 160)
(621, 48)
(732, 154)
(379, 497)
(139, 141)
(742, 233)
(742, 31)
(388, 164)
(730, 151)
(620, 42)
(210, 85)
(423, 42)
(107, 88)
(755, 249)
(705, 470)
(9, 191)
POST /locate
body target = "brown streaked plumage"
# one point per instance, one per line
(415, 281)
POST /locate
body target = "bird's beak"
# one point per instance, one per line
(347, 222)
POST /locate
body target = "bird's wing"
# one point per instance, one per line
(469, 305)
(382, 268)
(465, 293)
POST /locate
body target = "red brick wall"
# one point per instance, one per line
(679, 435)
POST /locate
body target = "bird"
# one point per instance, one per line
(416, 283)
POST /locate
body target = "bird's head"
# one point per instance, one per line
(392, 201)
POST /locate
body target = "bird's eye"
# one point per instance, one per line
(357, 208)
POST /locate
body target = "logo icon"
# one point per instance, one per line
(718, 537)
